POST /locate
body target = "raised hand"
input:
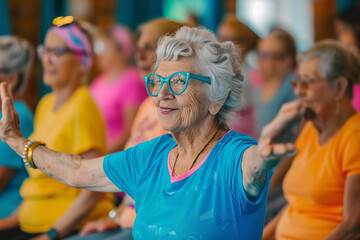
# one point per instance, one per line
(267, 147)
(10, 123)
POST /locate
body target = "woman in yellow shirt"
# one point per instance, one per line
(67, 120)
(322, 186)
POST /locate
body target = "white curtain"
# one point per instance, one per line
(294, 16)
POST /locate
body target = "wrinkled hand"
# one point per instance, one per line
(267, 148)
(41, 237)
(101, 225)
(10, 123)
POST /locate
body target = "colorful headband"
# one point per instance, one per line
(75, 38)
(122, 37)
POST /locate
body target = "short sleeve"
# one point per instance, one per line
(234, 177)
(351, 157)
(125, 169)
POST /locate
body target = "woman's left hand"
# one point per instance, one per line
(10, 123)
(267, 148)
(267, 154)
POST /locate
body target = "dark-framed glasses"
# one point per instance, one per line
(304, 83)
(271, 55)
(56, 52)
(5, 71)
(177, 82)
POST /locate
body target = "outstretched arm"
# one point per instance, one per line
(259, 159)
(70, 169)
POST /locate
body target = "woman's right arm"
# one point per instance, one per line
(70, 169)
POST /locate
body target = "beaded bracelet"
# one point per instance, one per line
(27, 154)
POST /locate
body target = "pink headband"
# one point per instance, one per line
(77, 42)
(122, 37)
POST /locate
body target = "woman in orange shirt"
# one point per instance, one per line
(322, 186)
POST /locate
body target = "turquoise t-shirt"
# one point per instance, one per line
(211, 203)
(10, 196)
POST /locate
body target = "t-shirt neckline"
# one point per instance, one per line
(194, 169)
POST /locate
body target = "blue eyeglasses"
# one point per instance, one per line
(177, 82)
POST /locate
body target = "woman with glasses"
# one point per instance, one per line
(201, 181)
(16, 57)
(145, 127)
(119, 89)
(67, 120)
(322, 186)
(277, 63)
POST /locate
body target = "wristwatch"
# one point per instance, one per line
(53, 234)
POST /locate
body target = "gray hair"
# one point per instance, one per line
(335, 61)
(219, 61)
(16, 56)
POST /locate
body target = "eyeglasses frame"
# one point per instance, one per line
(167, 80)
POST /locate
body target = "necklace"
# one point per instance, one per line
(192, 165)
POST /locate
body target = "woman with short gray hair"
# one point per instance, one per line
(209, 58)
(322, 186)
(202, 180)
(16, 56)
(15, 59)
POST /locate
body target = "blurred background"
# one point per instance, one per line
(307, 20)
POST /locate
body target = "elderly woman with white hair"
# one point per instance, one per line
(16, 57)
(322, 186)
(202, 180)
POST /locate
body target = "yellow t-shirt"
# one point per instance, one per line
(75, 128)
(315, 183)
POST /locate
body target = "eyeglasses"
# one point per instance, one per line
(270, 55)
(304, 84)
(5, 71)
(177, 82)
(56, 52)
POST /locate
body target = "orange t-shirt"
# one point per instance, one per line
(315, 184)
(146, 125)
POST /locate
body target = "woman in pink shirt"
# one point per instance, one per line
(118, 90)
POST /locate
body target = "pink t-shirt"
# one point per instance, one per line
(356, 98)
(114, 97)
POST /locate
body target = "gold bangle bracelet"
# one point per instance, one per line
(29, 151)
